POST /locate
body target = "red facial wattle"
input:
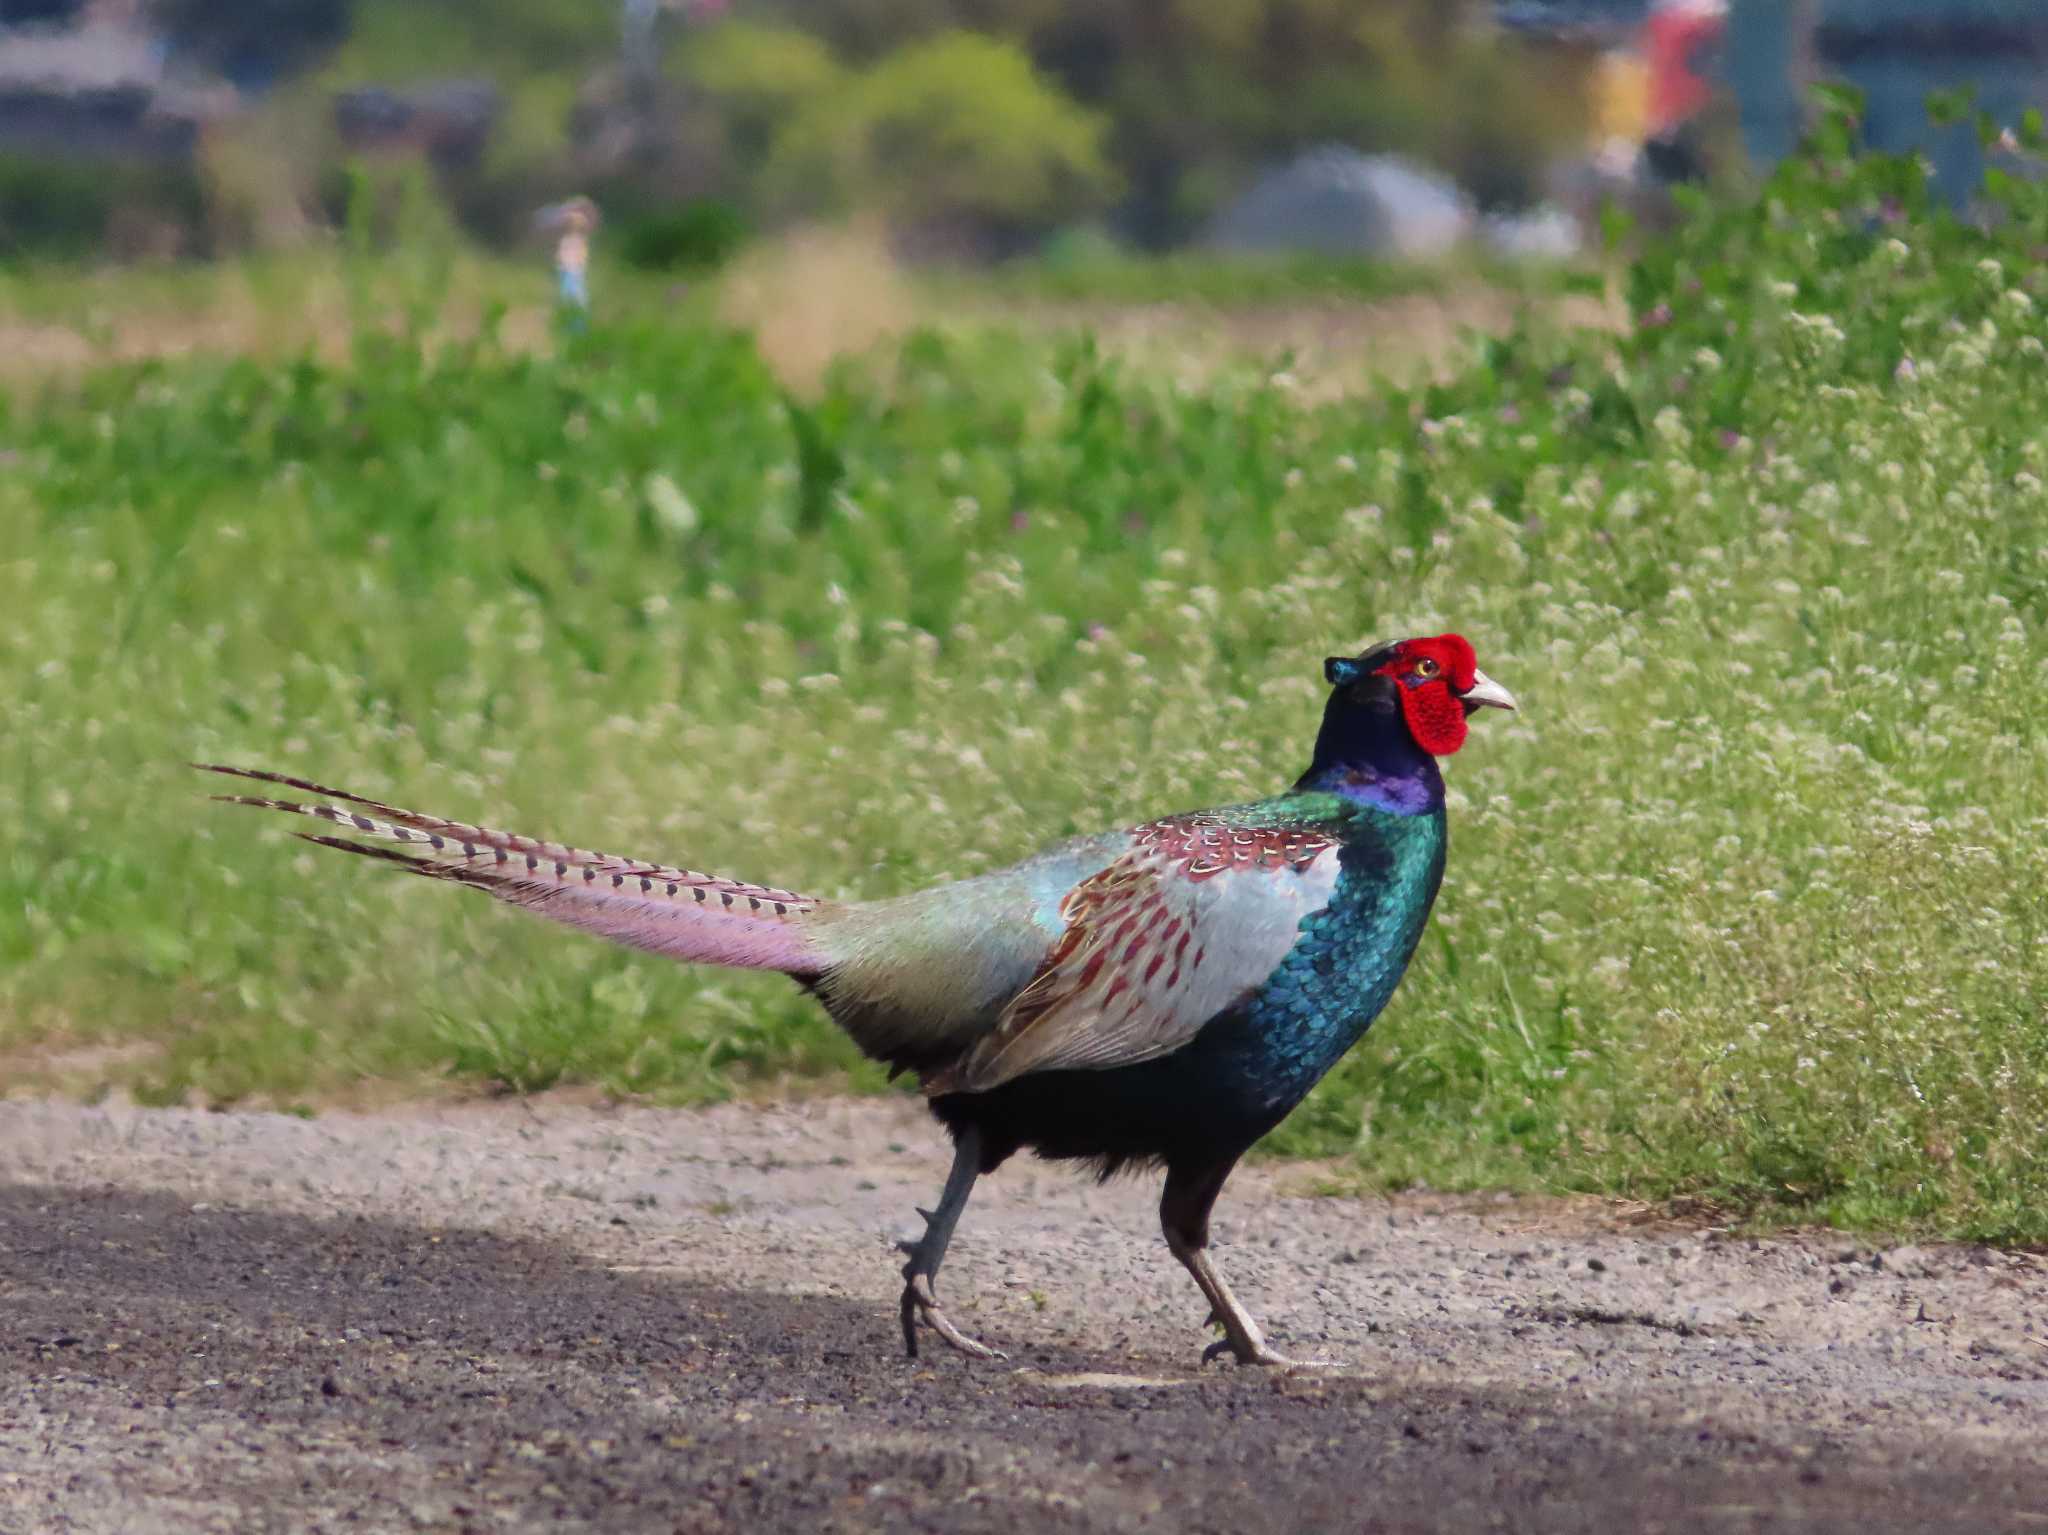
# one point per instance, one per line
(1435, 717)
(1430, 703)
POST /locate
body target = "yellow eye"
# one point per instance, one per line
(1427, 667)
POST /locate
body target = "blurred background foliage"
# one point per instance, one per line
(1195, 95)
(972, 128)
(953, 136)
(976, 126)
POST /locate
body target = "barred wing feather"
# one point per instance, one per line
(1185, 925)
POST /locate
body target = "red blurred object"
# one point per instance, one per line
(1675, 39)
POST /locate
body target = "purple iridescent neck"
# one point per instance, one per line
(1366, 754)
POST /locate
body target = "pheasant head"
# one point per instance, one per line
(1394, 709)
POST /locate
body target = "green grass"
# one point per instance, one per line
(56, 319)
(1750, 902)
(1111, 276)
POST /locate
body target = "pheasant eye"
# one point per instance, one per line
(1427, 667)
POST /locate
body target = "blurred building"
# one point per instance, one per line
(1598, 23)
(96, 80)
(1897, 53)
(446, 121)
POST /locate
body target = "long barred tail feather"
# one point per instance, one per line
(700, 918)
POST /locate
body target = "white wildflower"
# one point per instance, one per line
(672, 510)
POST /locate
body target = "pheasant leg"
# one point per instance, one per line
(1241, 1335)
(929, 1252)
(1184, 1217)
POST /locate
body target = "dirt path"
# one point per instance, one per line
(511, 1318)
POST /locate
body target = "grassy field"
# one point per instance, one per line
(807, 298)
(1750, 903)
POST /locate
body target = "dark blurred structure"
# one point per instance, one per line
(252, 44)
(1897, 53)
(446, 121)
(99, 133)
(31, 13)
(100, 88)
(1600, 23)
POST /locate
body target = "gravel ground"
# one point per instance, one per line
(511, 1317)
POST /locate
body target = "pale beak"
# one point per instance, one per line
(1486, 693)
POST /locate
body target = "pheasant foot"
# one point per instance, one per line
(1241, 1335)
(1245, 1342)
(1251, 1351)
(918, 1301)
(929, 1251)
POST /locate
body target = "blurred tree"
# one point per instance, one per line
(760, 78)
(1006, 117)
(955, 138)
(864, 31)
(391, 42)
(1201, 89)
(1201, 92)
(573, 120)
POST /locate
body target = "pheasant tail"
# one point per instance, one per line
(701, 918)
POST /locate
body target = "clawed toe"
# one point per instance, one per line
(1256, 1352)
(919, 1301)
